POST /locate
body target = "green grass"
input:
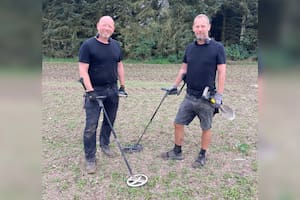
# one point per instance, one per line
(148, 61)
(131, 61)
(237, 187)
(81, 184)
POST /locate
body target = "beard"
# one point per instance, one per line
(201, 38)
(105, 35)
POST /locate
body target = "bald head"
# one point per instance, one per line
(105, 27)
(106, 19)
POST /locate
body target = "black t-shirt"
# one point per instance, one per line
(202, 61)
(102, 59)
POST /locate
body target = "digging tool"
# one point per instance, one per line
(226, 111)
(134, 180)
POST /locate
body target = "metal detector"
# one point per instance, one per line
(137, 147)
(133, 180)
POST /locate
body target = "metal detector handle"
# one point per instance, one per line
(82, 83)
(178, 93)
(167, 90)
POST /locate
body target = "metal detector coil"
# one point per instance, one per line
(137, 180)
(133, 148)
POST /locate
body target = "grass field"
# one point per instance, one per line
(231, 169)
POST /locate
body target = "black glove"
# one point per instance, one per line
(172, 90)
(91, 95)
(122, 92)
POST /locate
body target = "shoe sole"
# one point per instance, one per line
(107, 154)
(165, 157)
(197, 166)
(91, 171)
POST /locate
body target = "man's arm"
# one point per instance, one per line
(83, 73)
(121, 73)
(221, 78)
(182, 71)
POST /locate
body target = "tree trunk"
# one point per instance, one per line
(243, 28)
(223, 27)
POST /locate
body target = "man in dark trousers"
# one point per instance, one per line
(203, 59)
(100, 66)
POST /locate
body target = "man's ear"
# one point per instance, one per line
(209, 26)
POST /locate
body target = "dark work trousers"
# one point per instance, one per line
(93, 111)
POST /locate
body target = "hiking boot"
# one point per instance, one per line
(90, 167)
(106, 150)
(171, 155)
(199, 162)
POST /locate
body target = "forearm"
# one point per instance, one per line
(221, 78)
(121, 73)
(83, 73)
(182, 71)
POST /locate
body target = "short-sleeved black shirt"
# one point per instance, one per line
(102, 59)
(202, 61)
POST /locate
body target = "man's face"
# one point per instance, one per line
(201, 28)
(105, 27)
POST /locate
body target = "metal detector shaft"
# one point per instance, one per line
(166, 94)
(99, 100)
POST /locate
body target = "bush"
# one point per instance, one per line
(142, 49)
(236, 52)
(173, 58)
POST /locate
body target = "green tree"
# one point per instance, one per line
(146, 29)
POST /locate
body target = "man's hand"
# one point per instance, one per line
(217, 100)
(172, 90)
(91, 95)
(122, 92)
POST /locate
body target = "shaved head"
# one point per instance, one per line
(106, 19)
(105, 27)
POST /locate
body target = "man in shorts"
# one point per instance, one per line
(203, 59)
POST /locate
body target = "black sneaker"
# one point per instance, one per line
(106, 150)
(171, 155)
(199, 162)
(90, 167)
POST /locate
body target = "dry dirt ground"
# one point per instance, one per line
(231, 169)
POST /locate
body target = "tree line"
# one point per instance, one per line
(149, 29)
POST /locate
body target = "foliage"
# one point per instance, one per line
(236, 52)
(146, 29)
